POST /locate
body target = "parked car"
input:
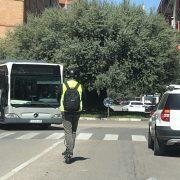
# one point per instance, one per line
(164, 124)
(134, 106)
(149, 107)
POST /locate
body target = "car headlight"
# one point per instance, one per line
(11, 115)
(57, 116)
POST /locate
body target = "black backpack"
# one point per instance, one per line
(71, 98)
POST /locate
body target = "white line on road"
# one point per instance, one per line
(25, 164)
(55, 136)
(138, 138)
(84, 136)
(151, 178)
(28, 136)
(5, 134)
(111, 137)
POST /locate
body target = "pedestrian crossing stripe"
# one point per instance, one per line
(28, 136)
(55, 136)
(84, 136)
(80, 136)
(138, 138)
(111, 137)
(6, 134)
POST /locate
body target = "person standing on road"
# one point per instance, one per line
(71, 106)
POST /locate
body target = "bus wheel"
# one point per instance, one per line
(45, 126)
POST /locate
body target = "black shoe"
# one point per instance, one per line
(66, 152)
(68, 159)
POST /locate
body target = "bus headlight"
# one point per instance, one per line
(57, 116)
(11, 115)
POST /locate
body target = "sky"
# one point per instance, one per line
(148, 3)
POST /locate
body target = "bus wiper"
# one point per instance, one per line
(42, 104)
(36, 105)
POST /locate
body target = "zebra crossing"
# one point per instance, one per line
(59, 135)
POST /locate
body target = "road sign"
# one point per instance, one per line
(108, 102)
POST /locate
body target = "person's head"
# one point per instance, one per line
(71, 74)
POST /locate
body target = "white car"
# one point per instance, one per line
(164, 124)
(134, 106)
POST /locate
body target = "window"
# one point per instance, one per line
(35, 85)
(173, 101)
(4, 85)
(162, 102)
(136, 103)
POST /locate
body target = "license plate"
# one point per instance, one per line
(36, 121)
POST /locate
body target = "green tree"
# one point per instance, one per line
(118, 48)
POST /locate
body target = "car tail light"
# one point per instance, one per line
(165, 115)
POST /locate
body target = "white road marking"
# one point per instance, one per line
(5, 134)
(84, 136)
(138, 138)
(28, 136)
(111, 137)
(151, 178)
(55, 136)
(27, 163)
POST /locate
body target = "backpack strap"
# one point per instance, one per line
(67, 85)
(77, 86)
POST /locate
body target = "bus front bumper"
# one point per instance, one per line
(32, 121)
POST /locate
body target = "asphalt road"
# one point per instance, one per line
(107, 150)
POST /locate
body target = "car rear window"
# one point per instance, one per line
(162, 102)
(173, 101)
(136, 103)
(125, 103)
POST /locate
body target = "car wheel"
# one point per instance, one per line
(150, 141)
(159, 147)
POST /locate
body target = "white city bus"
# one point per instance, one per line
(30, 93)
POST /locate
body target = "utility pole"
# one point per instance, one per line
(126, 1)
(144, 4)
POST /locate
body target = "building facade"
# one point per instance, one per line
(171, 11)
(14, 12)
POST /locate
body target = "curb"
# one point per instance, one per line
(113, 119)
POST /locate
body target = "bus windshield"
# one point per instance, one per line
(37, 86)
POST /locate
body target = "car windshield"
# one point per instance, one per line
(35, 90)
(148, 103)
(124, 103)
(136, 103)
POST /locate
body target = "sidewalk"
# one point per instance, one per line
(113, 119)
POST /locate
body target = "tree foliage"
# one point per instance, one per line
(119, 48)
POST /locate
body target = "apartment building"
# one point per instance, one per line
(171, 10)
(14, 12)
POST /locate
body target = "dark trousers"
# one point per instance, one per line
(70, 123)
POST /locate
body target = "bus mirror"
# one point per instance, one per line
(1, 97)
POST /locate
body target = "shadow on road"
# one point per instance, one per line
(172, 152)
(79, 158)
(24, 127)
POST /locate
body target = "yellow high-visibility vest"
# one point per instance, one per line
(72, 84)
